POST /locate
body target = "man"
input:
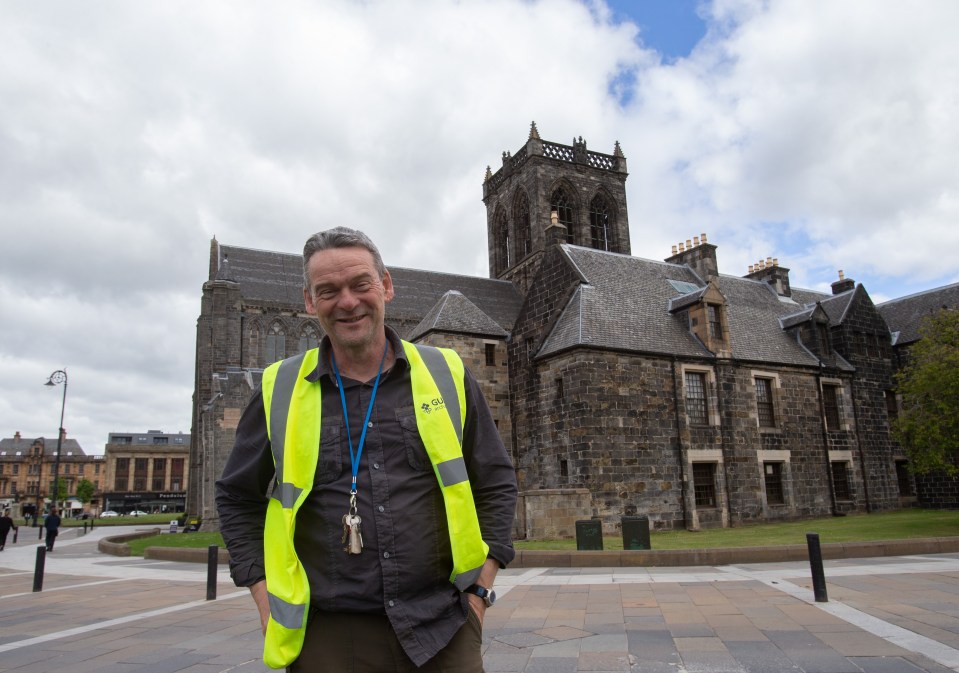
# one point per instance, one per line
(392, 495)
(52, 524)
(6, 523)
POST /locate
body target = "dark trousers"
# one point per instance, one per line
(51, 537)
(350, 643)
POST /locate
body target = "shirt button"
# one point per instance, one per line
(370, 424)
(376, 466)
(386, 554)
(381, 508)
(391, 603)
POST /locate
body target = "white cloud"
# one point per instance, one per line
(819, 132)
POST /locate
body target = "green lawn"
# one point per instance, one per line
(853, 528)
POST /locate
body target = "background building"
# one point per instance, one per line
(146, 471)
(621, 385)
(26, 472)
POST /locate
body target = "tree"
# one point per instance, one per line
(85, 490)
(928, 424)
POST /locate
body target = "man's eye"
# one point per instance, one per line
(362, 287)
(326, 294)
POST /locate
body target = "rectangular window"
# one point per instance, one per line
(96, 468)
(490, 355)
(696, 402)
(122, 439)
(176, 474)
(16, 468)
(830, 403)
(560, 393)
(764, 403)
(161, 440)
(824, 344)
(563, 467)
(902, 476)
(80, 469)
(140, 468)
(159, 474)
(122, 478)
(529, 349)
(715, 322)
(704, 484)
(773, 476)
(66, 468)
(840, 480)
(892, 405)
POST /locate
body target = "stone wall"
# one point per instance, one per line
(551, 513)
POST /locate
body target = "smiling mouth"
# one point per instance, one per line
(351, 319)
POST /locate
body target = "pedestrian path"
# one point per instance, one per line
(105, 614)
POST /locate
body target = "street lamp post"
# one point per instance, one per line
(56, 378)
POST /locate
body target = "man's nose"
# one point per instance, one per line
(348, 300)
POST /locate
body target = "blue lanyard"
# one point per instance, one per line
(355, 457)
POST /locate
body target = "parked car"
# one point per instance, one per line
(138, 512)
(108, 513)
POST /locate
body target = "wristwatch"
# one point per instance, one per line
(488, 595)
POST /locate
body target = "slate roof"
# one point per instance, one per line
(10, 445)
(277, 278)
(905, 314)
(455, 313)
(624, 303)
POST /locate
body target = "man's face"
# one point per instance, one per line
(348, 296)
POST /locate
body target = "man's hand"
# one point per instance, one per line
(262, 600)
(486, 578)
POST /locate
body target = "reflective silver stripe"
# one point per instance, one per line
(452, 471)
(287, 615)
(467, 579)
(286, 493)
(280, 407)
(440, 371)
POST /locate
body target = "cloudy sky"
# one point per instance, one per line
(823, 133)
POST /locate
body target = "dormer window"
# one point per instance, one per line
(823, 330)
(714, 315)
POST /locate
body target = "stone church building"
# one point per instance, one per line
(621, 386)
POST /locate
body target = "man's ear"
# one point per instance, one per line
(308, 302)
(388, 287)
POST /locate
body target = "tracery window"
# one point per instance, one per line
(600, 219)
(275, 343)
(562, 203)
(501, 242)
(308, 339)
(524, 244)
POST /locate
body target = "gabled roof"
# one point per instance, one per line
(837, 305)
(69, 446)
(455, 313)
(905, 314)
(624, 304)
(277, 278)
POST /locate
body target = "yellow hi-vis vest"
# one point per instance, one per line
(292, 407)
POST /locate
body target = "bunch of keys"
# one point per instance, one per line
(352, 537)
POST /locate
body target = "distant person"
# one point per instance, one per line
(52, 524)
(6, 523)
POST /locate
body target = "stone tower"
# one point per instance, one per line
(548, 193)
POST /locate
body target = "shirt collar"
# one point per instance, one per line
(323, 363)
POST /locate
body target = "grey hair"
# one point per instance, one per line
(339, 237)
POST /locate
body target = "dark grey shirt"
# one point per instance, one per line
(404, 569)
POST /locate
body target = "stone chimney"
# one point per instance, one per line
(770, 272)
(697, 254)
(555, 232)
(16, 436)
(63, 435)
(843, 284)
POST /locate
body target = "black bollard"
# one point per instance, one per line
(815, 565)
(40, 533)
(212, 553)
(84, 527)
(38, 570)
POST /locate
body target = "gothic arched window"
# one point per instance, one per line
(308, 339)
(501, 242)
(253, 352)
(600, 221)
(562, 202)
(524, 244)
(275, 343)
